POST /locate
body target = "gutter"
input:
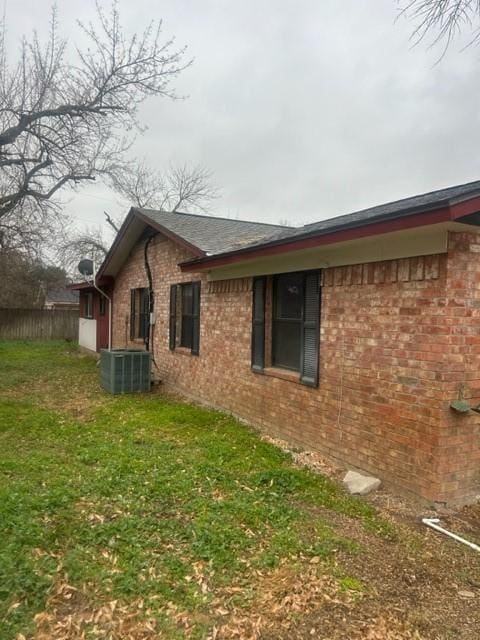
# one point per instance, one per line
(110, 319)
(102, 281)
(441, 211)
(315, 239)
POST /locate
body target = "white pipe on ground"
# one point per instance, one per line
(433, 524)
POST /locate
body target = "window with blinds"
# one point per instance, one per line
(185, 316)
(139, 313)
(295, 323)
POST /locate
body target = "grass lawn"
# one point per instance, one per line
(144, 517)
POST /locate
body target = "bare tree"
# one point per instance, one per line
(63, 121)
(181, 188)
(26, 279)
(88, 243)
(445, 18)
(31, 231)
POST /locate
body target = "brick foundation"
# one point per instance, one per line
(398, 338)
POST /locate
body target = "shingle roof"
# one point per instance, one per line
(389, 211)
(414, 204)
(212, 239)
(65, 296)
(211, 234)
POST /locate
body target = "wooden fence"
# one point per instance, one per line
(38, 324)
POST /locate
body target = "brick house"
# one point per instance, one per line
(61, 299)
(350, 336)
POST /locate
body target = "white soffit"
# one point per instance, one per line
(421, 241)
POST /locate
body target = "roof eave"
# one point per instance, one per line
(101, 281)
(135, 213)
(442, 211)
(120, 234)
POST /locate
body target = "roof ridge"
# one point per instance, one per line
(211, 217)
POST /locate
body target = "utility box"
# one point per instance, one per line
(125, 370)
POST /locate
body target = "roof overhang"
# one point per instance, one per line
(417, 226)
(129, 234)
(103, 281)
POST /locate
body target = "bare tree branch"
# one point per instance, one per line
(446, 19)
(34, 231)
(63, 122)
(26, 279)
(88, 243)
(111, 222)
(180, 188)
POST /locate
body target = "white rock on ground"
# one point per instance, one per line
(359, 484)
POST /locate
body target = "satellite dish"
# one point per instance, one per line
(85, 267)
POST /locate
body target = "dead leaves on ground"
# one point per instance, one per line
(70, 615)
(285, 596)
(278, 598)
(306, 458)
(98, 512)
(267, 604)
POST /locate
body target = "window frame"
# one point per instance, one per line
(178, 338)
(139, 313)
(264, 309)
(88, 305)
(186, 338)
(277, 320)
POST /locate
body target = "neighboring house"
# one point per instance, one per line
(65, 299)
(350, 336)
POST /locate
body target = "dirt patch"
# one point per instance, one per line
(465, 522)
(274, 601)
(305, 602)
(66, 397)
(71, 615)
(422, 586)
(97, 513)
(429, 584)
(340, 623)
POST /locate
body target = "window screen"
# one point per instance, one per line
(185, 316)
(287, 321)
(186, 330)
(88, 305)
(139, 313)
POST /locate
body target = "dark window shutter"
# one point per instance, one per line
(310, 330)
(258, 324)
(132, 314)
(196, 318)
(173, 315)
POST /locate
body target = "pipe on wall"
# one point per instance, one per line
(102, 293)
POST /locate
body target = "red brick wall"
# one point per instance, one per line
(458, 464)
(396, 339)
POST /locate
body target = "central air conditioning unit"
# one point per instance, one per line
(125, 370)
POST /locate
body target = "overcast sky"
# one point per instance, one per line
(302, 109)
